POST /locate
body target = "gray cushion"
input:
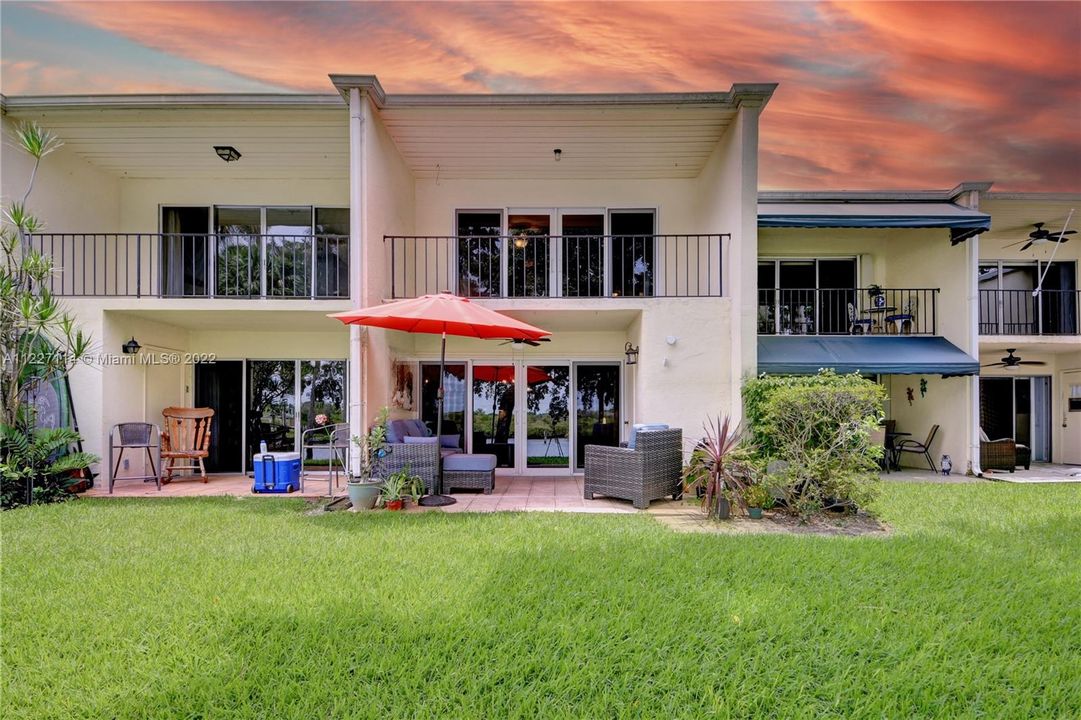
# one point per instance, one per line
(417, 428)
(447, 452)
(448, 441)
(396, 430)
(413, 440)
(469, 463)
(643, 427)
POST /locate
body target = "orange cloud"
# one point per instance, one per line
(872, 94)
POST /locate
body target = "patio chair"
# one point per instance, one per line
(186, 437)
(905, 318)
(135, 436)
(334, 439)
(855, 322)
(409, 444)
(647, 469)
(1003, 454)
(920, 448)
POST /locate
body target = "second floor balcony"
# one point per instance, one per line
(553, 266)
(173, 265)
(1026, 312)
(848, 311)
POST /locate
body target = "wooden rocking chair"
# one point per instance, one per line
(186, 437)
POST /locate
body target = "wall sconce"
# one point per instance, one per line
(131, 347)
(632, 354)
(228, 153)
(558, 154)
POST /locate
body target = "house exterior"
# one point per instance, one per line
(628, 225)
(640, 231)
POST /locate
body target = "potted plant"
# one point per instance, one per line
(363, 487)
(392, 494)
(758, 498)
(878, 299)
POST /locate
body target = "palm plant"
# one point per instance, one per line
(38, 462)
(713, 468)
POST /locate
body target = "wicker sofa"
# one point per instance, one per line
(409, 444)
(1003, 454)
(650, 470)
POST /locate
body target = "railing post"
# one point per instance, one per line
(934, 312)
(138, 266)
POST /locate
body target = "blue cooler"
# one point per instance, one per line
(276, 472)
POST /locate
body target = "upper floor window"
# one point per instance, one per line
(1007, 303)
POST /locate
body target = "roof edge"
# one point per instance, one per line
(740, 94)
(222, 101)
(1037, 196)
(818, 196)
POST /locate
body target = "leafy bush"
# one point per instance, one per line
(758, 496)
(34, 466)
(820, 426)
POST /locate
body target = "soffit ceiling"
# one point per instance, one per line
(647, 141)
(1012, 219)
(178, 143)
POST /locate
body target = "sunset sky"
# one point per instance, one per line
(872, 95)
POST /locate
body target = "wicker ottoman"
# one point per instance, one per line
(469, 472)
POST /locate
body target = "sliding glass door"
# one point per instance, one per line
(1018, 408)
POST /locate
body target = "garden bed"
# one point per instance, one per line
(687, 516)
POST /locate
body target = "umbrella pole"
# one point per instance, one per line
(437, 498)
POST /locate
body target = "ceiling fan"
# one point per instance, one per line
(1041, 235)
(1013, 361)
(531, 343)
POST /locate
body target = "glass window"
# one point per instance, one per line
(239, 267)
(185, 255)
(632, 253)
(529, 250)
(596, 395)
(454, 391)
(479, 247)
(332, 252)
(331, 221)
(288, 251)
(583, 255)
(271, 405)
(547, 416)
(493, 412)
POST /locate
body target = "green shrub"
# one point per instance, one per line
(820, 426)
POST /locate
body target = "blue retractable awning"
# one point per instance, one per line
(962, 222)
(869, 355)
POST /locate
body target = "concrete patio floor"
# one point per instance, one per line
(543, 493)
(1038, 473)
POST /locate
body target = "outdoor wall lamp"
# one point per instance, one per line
(520, 241)
(632, 354)
(131, 347)
(558, 154)
(228, 153)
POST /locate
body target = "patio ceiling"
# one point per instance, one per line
(299, 137)
(485, 142)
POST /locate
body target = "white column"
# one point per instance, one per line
(357, 422)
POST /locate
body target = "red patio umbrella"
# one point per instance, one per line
(443, 314)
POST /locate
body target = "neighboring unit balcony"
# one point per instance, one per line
(1019, 312)
(847, 311)
(197, 265)
(552, 266)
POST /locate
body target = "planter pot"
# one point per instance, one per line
(362, 495)
(755, 513)
(395, 504)
(724, 509)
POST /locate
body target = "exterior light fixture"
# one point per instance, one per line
(632, 354)
(558, 154)
(131, 347)
(520, 241)
(228, 153)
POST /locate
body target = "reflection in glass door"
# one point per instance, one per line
(547, 416)
(493, 412)
(271, 405)
(596, 397)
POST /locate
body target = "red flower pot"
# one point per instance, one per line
(394, 504)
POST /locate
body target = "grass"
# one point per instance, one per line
(226, 608)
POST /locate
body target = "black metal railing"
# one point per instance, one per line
(1020, 312)
(847, 311)
(196, 265)
(547, 266)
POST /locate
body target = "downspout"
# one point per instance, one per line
(357, 416)
(972, 255)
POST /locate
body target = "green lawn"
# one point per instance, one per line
(225, 608)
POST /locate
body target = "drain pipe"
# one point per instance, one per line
(357, 416)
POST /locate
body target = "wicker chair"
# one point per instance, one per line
(650, 471)
(1003, 454)
(421, 458)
